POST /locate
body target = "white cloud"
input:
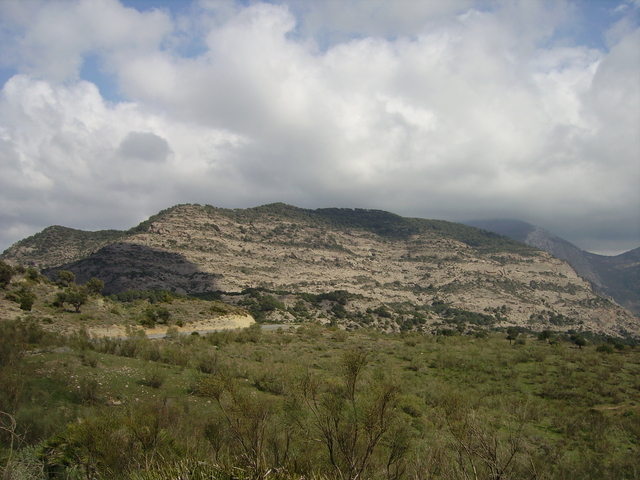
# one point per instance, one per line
(52, 37)
(75, 158)
(444, 111)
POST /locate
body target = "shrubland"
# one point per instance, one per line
(457, 401)
(315, 402)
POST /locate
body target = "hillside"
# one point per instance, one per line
(390, 272)
(56, 245)
(620, 277)
(617, 277)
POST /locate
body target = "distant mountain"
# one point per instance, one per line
(615, 276)
(354, 267)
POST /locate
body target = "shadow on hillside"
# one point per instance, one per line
(125, 266)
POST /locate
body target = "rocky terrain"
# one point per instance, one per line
(617, 277)
(391, 272)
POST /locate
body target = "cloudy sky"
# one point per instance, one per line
(113, 110)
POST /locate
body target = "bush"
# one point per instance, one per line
(208, 363)
(605, 348)
(6, 272)
(33, 275)
(87, 390)
(25, 297)
(94, 286)
(66, 278)
(153, 315)
(252, 334)
(27, 301)
(154, 378)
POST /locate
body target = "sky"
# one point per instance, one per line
(111, 111)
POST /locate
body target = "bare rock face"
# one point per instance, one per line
(377, 257)
(617, 277)
(132, 266)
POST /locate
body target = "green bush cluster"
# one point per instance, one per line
(23, 296)
(153, 296)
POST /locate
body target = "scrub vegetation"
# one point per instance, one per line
(316, 402)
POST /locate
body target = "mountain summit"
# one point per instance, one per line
(354, 267)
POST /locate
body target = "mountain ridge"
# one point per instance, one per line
(617, 277)
(429, 272)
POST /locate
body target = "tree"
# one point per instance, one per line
(512, 334)
(544, 335)
(23, 296)
(579, 340)
(6, 272)
(27, 299)
(77, 298)
(94, 286)
(66, 278)
(75, 295)
(163, 314)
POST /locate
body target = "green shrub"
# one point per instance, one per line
(88, 390)
(27, 299)
(605, 348)
(6, 273)
(208, 363)
(154, 378)
(33, 275)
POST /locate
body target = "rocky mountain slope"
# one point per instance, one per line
(617, 276)
(359, 267)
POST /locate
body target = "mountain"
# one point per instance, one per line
(57, 245)
(354, 267)
(617, 276)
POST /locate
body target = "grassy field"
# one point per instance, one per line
(315, 403)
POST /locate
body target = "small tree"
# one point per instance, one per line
(66, 278)
(61, 297)
(579, 340)
(163, 315)
(27, 299)
(6, 272)
(605, 348)
(22, 296)
(76, 297)
(512, 334)
(544, 335)
(94, 286)
(353, 423)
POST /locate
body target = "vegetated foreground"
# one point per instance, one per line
(316, 402)
(489, 371)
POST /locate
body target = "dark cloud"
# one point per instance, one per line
(144, 146)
